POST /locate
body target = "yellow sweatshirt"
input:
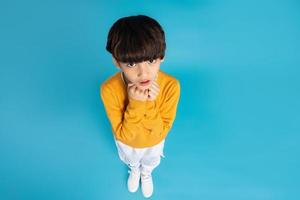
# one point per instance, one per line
(140, 124)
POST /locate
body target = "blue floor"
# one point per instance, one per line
(237, 131)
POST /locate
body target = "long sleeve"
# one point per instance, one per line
(158, 120)
(140, 124)
(125, 124)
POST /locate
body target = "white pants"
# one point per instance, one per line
(144, 159)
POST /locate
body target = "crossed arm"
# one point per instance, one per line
(141, 116)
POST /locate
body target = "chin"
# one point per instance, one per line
(143, 87)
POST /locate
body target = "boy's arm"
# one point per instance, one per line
(159, 120)
(125, 123)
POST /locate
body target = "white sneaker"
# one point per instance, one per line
(147, 185)
(133, 181)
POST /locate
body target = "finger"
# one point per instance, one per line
(153, 89)
(146, 92)
(152, 94)
(130, 85)
(131, 88)
(136, 89)
(155, 84)
(149, 95)
(141, 91)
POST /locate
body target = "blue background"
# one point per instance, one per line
(236, 135)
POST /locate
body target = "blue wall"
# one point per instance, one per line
(236, 135)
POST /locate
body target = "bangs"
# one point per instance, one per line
(136, 39)
(138, 47)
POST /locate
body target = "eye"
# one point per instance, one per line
(152, 61)
(130, 65)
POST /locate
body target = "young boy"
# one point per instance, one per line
(140, 100)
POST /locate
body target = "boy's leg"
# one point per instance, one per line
(128, 155)
(132, 159)
(151, 158)
(149, 162)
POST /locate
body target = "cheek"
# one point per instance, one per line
(155, 70)
(157, 66)
(130, 76)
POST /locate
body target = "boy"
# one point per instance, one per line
(140, 100)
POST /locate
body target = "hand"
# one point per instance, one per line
(153, 91)
(135, 93)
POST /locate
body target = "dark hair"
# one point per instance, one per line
(136, 39)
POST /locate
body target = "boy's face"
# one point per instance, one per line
(141, 74)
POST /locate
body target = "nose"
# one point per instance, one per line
(142, 69)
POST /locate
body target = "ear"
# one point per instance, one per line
(162, 60)
(116, 63)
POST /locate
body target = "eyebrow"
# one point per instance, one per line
(141, 61)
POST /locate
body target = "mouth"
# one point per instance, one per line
(144, 82)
